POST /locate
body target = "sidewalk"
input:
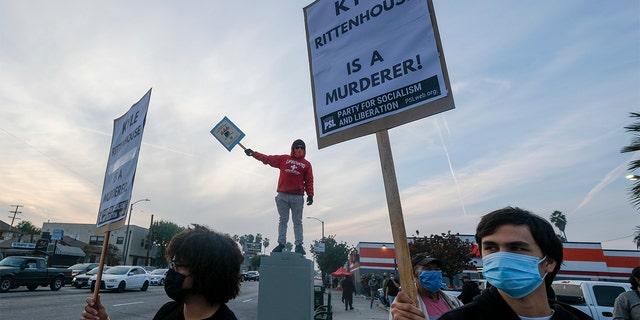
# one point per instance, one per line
(361, 309)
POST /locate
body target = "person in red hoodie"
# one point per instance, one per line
(296, 178)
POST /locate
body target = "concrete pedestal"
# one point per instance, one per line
(286, 287)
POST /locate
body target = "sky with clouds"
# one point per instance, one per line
(542, 89)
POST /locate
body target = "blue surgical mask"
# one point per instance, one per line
(430, 279)
(515, 274)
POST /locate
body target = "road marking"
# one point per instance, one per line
(126, 304)
(246, 300)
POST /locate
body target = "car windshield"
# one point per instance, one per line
(78, 266)
(159, 271)
(95, 270)
(117, 270)
(11, 262)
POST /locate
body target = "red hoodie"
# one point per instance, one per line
(296, 175)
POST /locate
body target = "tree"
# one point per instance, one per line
(453, 252)
(335, 254)
(113, 255)
(265, 244)
(161, 234)
(560, 221)
(255, 261)
(634, 146)
(636, 238)
(26, 227)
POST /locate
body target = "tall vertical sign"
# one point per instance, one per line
(121, 166)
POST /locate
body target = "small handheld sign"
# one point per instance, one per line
(228, 134)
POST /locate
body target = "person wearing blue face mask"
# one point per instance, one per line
(521, 255)
(427, 275)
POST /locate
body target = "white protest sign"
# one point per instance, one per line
(121, 166)
(227, 133)
(371, 60)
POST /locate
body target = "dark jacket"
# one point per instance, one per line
(490, 305)
(296, 175)
(173, 310)
(391, 288)
(348, 287)
(469, 290)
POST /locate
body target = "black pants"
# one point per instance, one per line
(348, 301)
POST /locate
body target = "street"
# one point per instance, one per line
(68, 303)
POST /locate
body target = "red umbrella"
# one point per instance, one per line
(341, 272)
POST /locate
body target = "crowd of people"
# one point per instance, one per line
(521, 255)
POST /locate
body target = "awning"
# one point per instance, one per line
(69, 251)
(341, 272)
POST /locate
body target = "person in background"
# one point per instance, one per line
(373, 288)
(348, 288)
(392, 288)
(382, 296)
(469, 290)
(627, 304)
(521, 255)
(296, 178)
(427, 276)
(204, 275)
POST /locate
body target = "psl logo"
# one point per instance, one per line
(329, 123)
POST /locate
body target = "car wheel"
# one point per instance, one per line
(121, 287)
(162, 282)
(78, 286)
(145, 286)
(5, 284)
(32, 287)
(56, 284)
(92, 286)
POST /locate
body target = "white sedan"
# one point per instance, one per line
(157, 277)
(121, 278)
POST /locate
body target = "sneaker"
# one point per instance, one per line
(300, 250)
(278, 248)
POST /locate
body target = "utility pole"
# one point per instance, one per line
(149, 241)
(15, 212)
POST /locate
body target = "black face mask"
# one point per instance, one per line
(173, 286)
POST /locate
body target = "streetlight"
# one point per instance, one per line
(127, 239)
(320, 222)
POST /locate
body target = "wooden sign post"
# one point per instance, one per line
(405, 271)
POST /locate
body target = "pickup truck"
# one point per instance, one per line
(595, 298)
(31, 272)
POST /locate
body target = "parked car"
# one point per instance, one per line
(157, 277)
(594, 298)
(81, 268)
(121, 278)
(31, 272)
(82, 280)
(252, 276)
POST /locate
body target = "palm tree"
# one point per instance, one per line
(560, 221)
(26, 227)
(634, 129)
(636, 237)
